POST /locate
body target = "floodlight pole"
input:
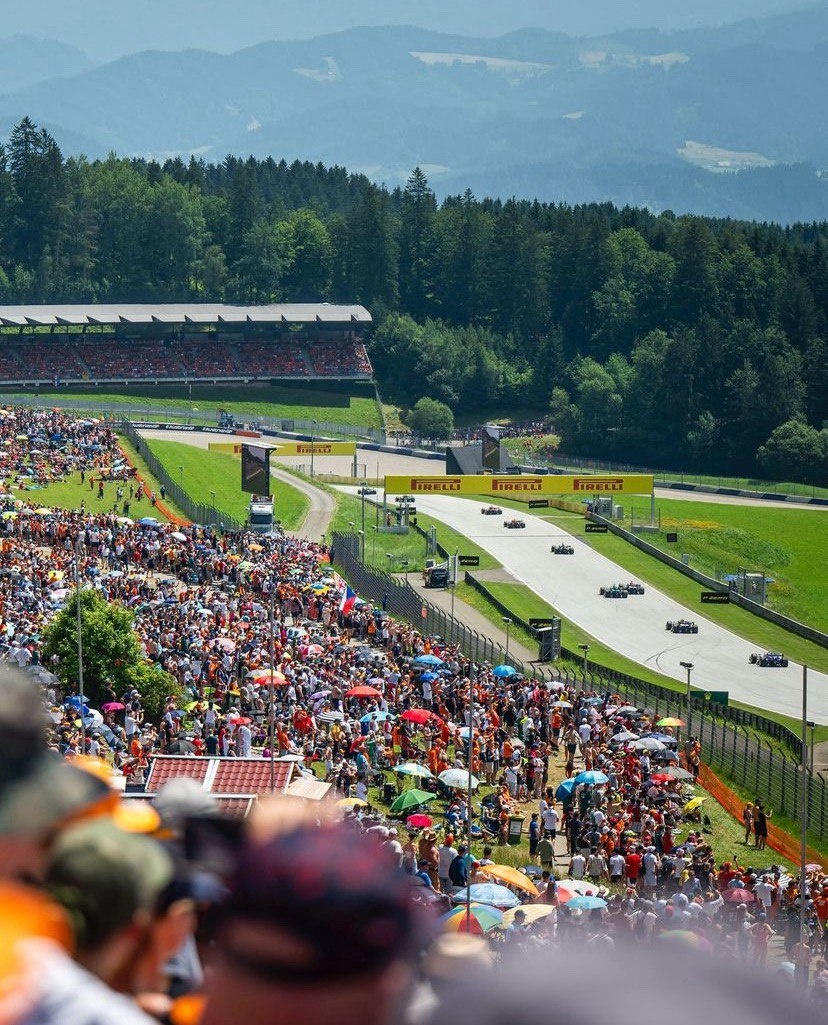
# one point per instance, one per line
(453, 582)
(689, 667)
(313, 444)
(803, 970)
(508, 623)
(469, 803)
(271, 693)
(80, 640)
(585, 649)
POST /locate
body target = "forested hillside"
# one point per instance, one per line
(654, 339)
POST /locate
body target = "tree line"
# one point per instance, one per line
(666, 340)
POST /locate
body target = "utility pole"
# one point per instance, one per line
(271, 693)
(585, 649)
(80, 639)
(689, 667)
(802, 970)
(508, 623)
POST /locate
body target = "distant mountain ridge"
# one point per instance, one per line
(558, 111)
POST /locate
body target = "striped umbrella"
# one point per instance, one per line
(477, 919)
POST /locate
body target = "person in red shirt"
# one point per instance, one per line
(633, 860)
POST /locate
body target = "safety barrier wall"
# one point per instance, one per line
(808, 632)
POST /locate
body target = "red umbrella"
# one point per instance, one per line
(363, 692)
(419, 821)
(419, 715)
(240, 720)
(112, 706)
(661, 777)
(738, 896)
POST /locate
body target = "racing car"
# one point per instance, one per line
(616, 591)
(514, 524)
(770, 658)
(491, 510)
(682, 626)
(634, 588)
(563, 549)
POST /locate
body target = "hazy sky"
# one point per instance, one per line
(109, 28)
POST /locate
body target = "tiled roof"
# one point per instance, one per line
(221, 775)
(249, 776)
(167, 767)
(235, 807)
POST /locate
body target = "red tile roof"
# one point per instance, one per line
(235, 807)
(167, 767)
(249, 776)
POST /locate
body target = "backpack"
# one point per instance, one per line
(456, 871)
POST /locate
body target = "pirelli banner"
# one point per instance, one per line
(230, 448)
(523, 485)
(318, 448)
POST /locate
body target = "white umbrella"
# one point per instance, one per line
(623, 737)
(458, 779)
(178, 535)
(649, 744)
(414, 769)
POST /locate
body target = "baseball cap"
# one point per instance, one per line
(104, 876)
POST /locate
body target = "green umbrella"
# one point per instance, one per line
(411, 799)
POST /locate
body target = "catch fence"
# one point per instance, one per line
(758, 766)
(195, 511)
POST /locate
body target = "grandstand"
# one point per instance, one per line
(167, 344)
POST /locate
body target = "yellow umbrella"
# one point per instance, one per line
(255, 548)
(512, 876)
(351, 802)
(136, 817)
(533, 913)
(693, 803)
(670, 721)
(43, 511)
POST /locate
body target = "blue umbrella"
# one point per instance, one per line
(376, 716)
(148, 521)
(428, 676)
(503, 671)
(491, 893)
(593, 701)
(564, 791)
(584, 903)
(591, 776)
(75, 702)
(665, 738)
(427, 660)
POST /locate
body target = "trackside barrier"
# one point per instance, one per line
(808, 632)
(728, 743)
(195, 511)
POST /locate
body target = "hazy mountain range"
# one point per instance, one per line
(639, 116)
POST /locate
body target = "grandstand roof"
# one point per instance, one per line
(187, 313)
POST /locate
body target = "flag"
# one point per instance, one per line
(348, 600)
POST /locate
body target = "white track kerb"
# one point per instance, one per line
(633, 626)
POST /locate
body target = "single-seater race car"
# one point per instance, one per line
(491, 510)
(634, 588)
(769, 658)
(562, 549)
(682, 626)
(514, 524)
(615, 591)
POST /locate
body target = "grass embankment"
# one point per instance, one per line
(208, 473)
(355, 405)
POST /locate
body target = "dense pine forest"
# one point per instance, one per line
(652, 339)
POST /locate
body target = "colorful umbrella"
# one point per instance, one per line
(411, 799)
(262, 677)
(458, 779)
(112, 706)
(414, 769)
(512, 876)
(428, 660)
(671, 721)
(363, 692)
(661, 777)
(591, 777)
(351, 802)
(420, 716)
(585, 903)
(375, 716)
(476, 918)
(491, 893)
(693, 803)
(531, 913)
(738, 896)
(685, 938)
(419, 821)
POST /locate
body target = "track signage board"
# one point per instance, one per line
(715, 597)
(468, 560)
(317, 448)
(522, 485)
(595, 528)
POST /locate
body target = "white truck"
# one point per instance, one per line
(260, 515)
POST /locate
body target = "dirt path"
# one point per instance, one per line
(322, 506)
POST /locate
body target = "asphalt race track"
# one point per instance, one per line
(633, 626)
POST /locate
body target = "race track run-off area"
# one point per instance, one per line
(633, 626)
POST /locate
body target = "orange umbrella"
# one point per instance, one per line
(262, 677)
(511, 876)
